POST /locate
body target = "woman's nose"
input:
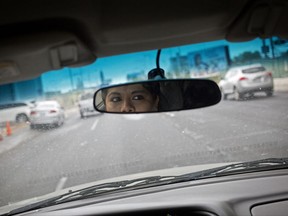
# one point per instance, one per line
(127, 106)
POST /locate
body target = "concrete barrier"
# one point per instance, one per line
(281, 84)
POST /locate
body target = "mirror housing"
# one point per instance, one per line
(157, 96)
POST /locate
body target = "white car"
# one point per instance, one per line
(47, 113)
(247, 79)
(85, 104)
(15, 111)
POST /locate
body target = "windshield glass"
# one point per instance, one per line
(82, 146)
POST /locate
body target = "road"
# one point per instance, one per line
(107, 145)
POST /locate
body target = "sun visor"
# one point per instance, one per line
(28, 56)
(262, 19)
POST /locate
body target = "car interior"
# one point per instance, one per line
(40, 36)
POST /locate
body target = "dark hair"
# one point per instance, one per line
(104, 94)
(153, 88)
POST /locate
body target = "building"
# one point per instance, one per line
(136, 76)
(52, 83)
(21, 91)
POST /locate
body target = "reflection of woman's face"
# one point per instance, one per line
(131, 98)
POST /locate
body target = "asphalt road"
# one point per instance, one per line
(103, 146)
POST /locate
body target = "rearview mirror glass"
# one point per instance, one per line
(157, 96)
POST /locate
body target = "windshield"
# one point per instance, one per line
(82, 146)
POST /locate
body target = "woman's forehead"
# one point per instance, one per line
(127, 89)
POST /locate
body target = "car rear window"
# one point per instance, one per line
(46, 105)
(254, 70)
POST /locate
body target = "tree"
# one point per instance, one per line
(247, 57)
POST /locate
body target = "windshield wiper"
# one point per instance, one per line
(90, 192)
(237, 168)
(113, 187)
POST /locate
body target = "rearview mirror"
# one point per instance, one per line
(157, 96)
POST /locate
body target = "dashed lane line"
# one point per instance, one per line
(94, 124)
(61, 183)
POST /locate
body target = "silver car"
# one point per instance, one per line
(246, 80)
(48, 113)
(85, 104)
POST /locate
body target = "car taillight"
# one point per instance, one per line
(53, 111)
(243, 78)
(32, 113)
(269, 74)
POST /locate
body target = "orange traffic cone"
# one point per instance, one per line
(8, 129)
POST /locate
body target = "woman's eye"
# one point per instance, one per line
(115, 99)
(138, 97)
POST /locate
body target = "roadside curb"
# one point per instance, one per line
(14, 126)
(22, 132)
(10, 142)
(281, 84)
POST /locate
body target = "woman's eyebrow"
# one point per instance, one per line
(113, 93)
(138, 91)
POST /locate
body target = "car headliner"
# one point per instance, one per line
(39, 36)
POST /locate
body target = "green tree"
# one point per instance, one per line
(247, 57)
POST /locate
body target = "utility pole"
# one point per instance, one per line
(272, 48)
(102, 77)
(264, 48)
(71, 79)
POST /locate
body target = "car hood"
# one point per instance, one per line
(164, 172)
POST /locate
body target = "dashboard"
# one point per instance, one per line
(255, 194)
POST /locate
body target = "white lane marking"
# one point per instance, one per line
(61, 183)
(94, 124)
